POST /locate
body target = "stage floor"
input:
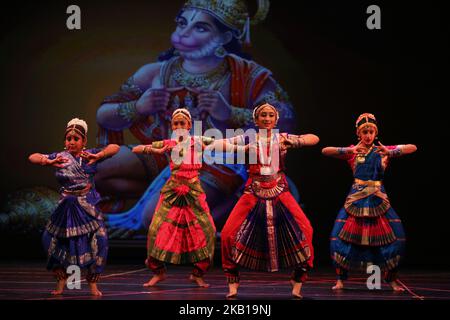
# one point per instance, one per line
(30, 281)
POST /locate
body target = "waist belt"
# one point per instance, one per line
(266, 178)
(77, 193)
(369, 183)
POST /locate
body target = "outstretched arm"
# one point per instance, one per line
(398, 151)
(308, 140)
(344, 152)
(154, 148)
(228, 145)
(108, 151)
(304, 140)
(43, 160)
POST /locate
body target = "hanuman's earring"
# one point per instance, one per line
(220, 52)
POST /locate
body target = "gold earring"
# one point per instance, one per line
(220, 52)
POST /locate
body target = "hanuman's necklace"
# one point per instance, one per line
(205, 80)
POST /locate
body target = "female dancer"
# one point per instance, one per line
(75, 233)
(267, 230)
(367, 230)
(182, 230)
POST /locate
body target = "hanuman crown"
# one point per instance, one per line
(232, 13)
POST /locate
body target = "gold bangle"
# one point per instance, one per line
(128, 111)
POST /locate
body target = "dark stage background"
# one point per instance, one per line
(331, 65)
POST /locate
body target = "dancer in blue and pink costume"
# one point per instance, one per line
(367, 231)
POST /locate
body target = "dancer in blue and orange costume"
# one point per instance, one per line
(182, 230)
(367, 230)
(267, 230)
(75, 233)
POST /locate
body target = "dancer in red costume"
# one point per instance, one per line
(267, 230)
(182, 230)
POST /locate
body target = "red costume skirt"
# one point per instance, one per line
(267, 230)
(182, 229)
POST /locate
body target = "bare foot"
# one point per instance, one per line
(94, 289)
(60, 284)
(155, 279)
(296, 289)
(199, 281)
(232, 288)
(339, 285)
(396, 287)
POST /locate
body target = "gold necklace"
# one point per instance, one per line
(205, 80)
(361, 158)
